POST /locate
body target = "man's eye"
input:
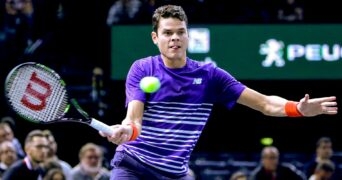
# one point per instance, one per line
(181, 32)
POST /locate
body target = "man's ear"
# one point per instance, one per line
(154, 37)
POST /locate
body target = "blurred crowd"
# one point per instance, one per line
(271, 164)
(220, 11)
(204, 11)
(36, 157)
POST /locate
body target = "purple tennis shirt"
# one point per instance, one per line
(176, 114)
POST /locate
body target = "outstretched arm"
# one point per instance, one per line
(276, 106)
(130, 127)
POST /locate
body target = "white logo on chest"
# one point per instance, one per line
(197, 81)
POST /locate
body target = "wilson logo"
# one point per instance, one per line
(31, 92)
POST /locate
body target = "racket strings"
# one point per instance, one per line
(46, 97)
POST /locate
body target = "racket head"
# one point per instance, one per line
(36, 93)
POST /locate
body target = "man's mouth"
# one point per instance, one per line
(174, 47)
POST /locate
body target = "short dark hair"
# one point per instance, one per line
(9, 120)
(32, 134)
(48, 134)
(168, 11)
(323, 140)
(268, 149)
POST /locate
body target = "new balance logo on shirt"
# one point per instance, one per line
(197, 81)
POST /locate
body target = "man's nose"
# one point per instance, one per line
(175, 37)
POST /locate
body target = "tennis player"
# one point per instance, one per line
(161, 129)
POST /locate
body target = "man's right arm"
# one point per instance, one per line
(135, 111)
(130, 127)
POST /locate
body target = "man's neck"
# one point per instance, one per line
(174, 63)
(31, 164)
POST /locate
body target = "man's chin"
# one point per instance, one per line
(91, 169)
(175, 57)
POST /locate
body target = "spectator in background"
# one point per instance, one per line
(8, 155)
(271, 169)
(98, 93)
(323, 171)
(18, 23)
(324, 152)
(290, 11)
(239, 175)
(52, 154)
(123, 12)
(30, 29)
(9, 120)
(55, 174)
(7, 134)
(36, 148)
(90, 166)
(53, 170)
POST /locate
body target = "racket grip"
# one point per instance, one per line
(101, 126)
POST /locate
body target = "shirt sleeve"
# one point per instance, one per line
(226, 88)
(132, 87)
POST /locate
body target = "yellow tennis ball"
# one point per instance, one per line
(149, 84)
(266, 141)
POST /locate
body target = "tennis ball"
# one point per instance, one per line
(149, 84)
(266, 141)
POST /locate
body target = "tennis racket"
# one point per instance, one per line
(38, 94)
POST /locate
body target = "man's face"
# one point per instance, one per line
(325, 151)
(8, 154)
(172, 38)
(270, 162)
(92, 158)
(270, 159)
(52, 146)
(38, 149)
(6, 134)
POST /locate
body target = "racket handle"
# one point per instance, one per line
(101, 126)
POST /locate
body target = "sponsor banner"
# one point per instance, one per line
(251, 52)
